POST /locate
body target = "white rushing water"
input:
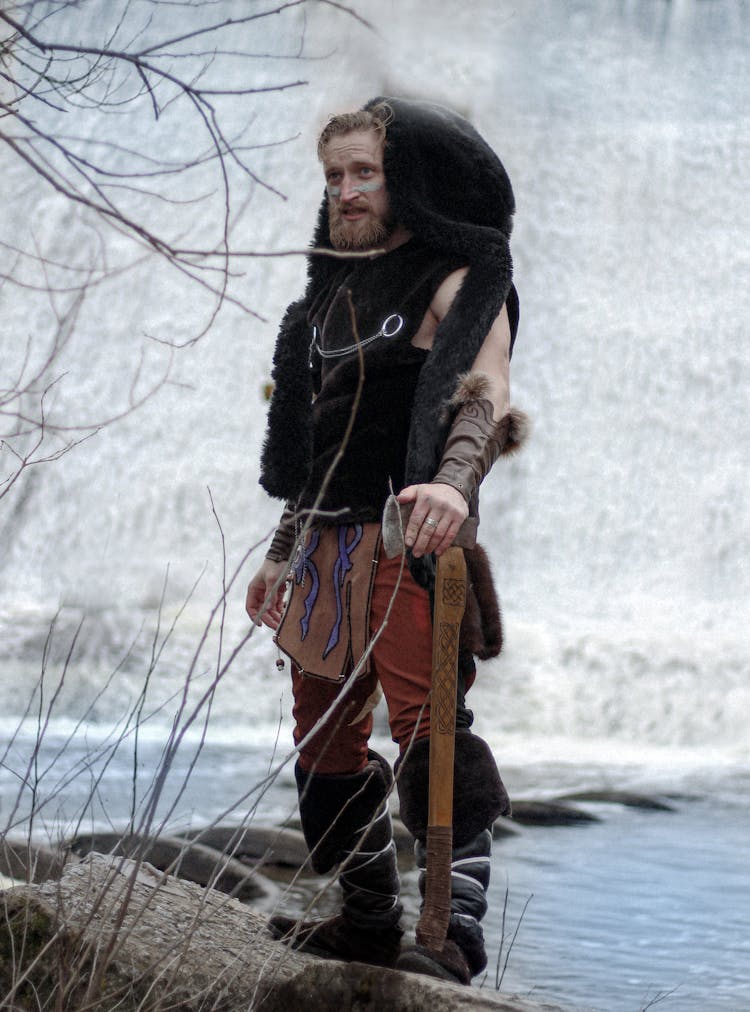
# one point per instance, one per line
(620, 538)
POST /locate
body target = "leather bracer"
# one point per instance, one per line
(475, 440)
(282, 542)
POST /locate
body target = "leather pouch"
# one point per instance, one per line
(325, 628)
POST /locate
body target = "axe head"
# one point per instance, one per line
(396, 517)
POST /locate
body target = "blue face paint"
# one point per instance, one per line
(334, 192)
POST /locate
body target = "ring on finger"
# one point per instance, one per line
(430, 522)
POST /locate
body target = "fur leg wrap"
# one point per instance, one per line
(479, 796)
(470, 879)
(369, 877)
(346, 821)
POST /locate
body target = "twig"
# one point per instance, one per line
(499, 980)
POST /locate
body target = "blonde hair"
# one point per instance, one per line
(376, 119)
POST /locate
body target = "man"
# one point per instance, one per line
(391, 372)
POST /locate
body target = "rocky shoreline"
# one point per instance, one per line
(135, 922)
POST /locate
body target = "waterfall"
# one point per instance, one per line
(620, 538)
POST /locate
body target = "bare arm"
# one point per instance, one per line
(494, 356)
(436, 501)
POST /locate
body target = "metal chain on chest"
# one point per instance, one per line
(390, 326)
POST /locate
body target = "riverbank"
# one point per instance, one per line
(119, 934)
(622, 902)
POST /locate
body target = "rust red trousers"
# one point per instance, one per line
(401, 663)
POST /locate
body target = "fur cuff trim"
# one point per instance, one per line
(513, 431)
(471, 386)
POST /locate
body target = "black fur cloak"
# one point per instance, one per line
(450, 190)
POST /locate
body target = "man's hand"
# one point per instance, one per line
(259, 588)
(442, 504)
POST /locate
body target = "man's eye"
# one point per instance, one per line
(366, 172)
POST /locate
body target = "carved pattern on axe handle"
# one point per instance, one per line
(450, 600)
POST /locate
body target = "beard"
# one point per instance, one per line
(358, 235)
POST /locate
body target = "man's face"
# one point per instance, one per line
(358, 206)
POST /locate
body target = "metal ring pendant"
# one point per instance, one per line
(391, 325)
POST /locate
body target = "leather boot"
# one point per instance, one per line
(479, 798)
(463, 956)
(346, 822)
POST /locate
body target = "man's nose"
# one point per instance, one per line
(349, 187)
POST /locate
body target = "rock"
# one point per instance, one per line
(344, 986)
(550, 813)
(194, 862)
(267, 844)
(504, 827)
(402, 837)
(115, 933)
(627, 798)
(29, 862)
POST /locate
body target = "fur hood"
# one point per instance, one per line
(450, 190)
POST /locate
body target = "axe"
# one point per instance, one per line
(450, 601)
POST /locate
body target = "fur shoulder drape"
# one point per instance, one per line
(450, 190)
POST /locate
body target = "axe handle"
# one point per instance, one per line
(450, 600)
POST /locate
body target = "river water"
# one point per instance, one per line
(620, 538)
